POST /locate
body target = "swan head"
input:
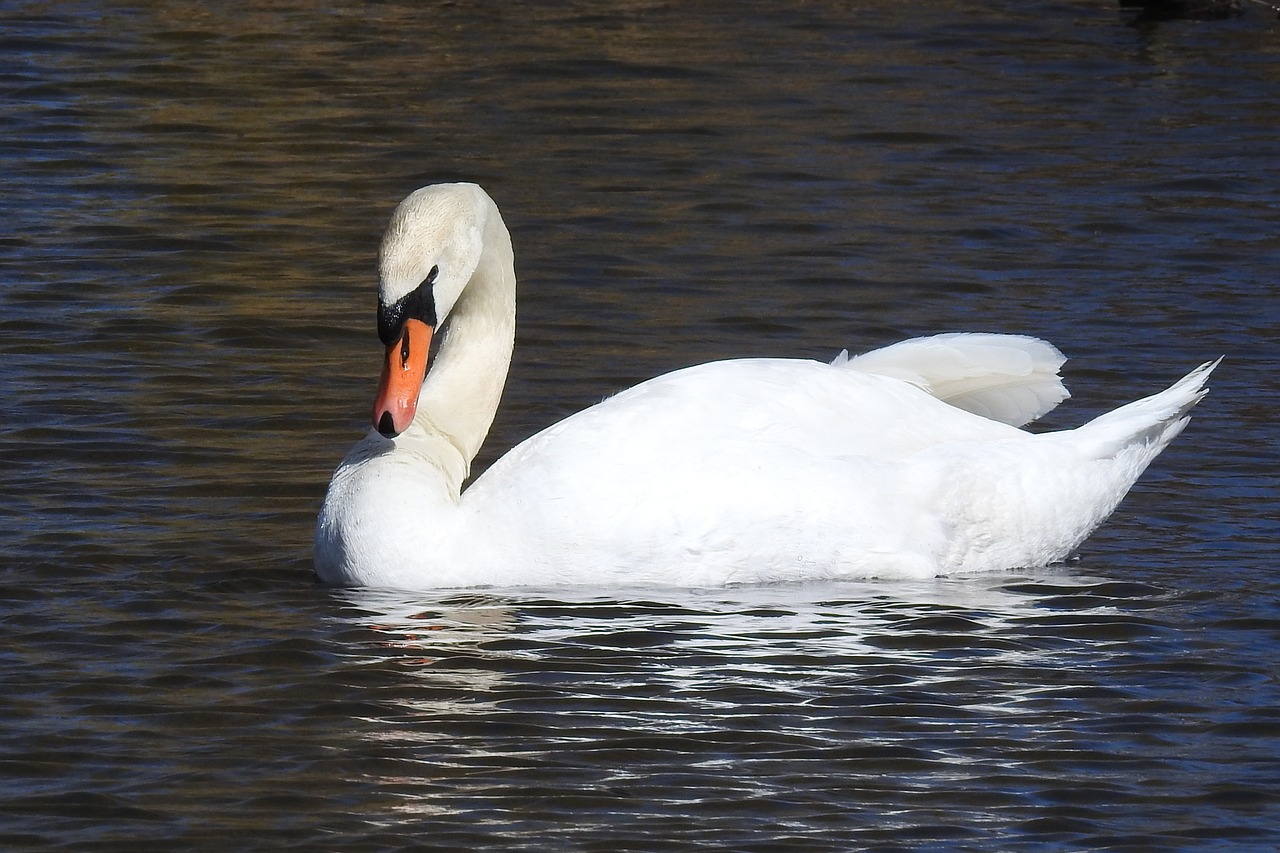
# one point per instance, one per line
(429, 253)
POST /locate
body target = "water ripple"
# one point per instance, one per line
(193, 198)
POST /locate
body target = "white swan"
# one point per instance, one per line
(905, 461)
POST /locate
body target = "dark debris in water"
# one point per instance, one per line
(1191, 10)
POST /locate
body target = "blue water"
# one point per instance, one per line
(192, 201)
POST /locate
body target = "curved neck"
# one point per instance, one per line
(463, 387)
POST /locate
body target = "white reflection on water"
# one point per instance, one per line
(688, 652)
(819, 618)
(786, 698)
(727, 692)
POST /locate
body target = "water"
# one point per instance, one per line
(193, 196)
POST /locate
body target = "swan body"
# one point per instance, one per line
(905, 461)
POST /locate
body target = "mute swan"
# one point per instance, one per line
(905, 461)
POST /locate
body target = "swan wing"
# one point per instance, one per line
(766, 457)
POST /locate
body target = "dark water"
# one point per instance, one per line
(192, 195)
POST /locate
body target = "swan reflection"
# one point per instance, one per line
(488, 695)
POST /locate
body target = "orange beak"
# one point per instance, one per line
(402, 375)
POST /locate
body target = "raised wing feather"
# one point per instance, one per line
(1012, 379)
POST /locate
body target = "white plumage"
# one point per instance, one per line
(905, 461)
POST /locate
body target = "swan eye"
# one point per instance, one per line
(418, 305)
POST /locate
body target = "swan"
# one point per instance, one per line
(907, 461)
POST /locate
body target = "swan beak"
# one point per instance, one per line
(402, 374)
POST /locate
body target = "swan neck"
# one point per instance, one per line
(463, 387)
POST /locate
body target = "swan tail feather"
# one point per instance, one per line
(1039, 503)
(1148, 424)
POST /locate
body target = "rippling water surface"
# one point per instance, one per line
(193, 195)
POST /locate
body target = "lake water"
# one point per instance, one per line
(193, 195)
